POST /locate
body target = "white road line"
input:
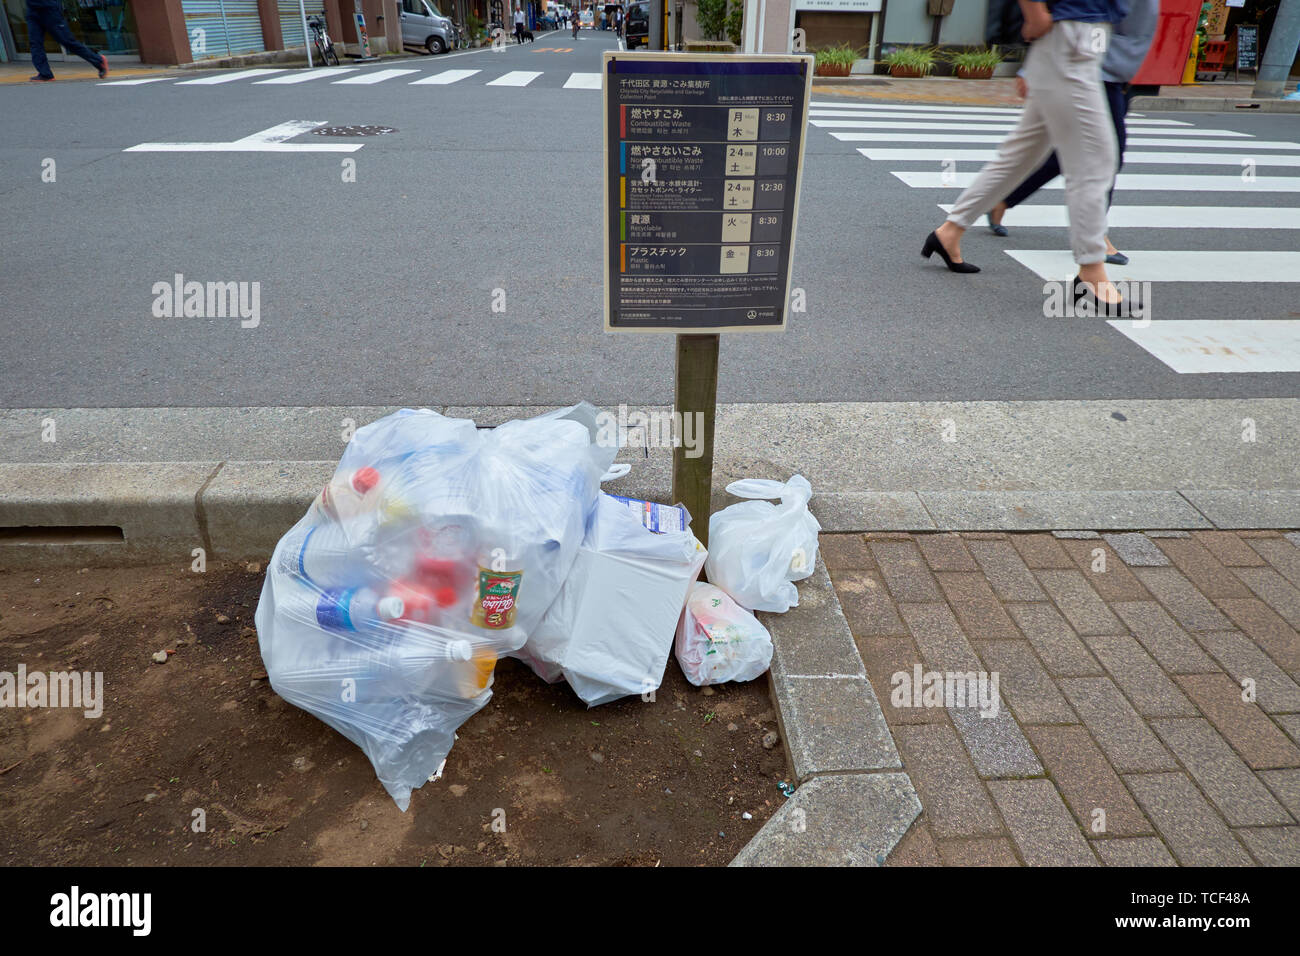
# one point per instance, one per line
(375, 76)
(445, 77)
(1148, 265)
(583, 81)
(147, 79)
(267, 141)
(1135, 181)
(304, 76)
(1006, 110)
(1001, 127)
(1158, 217)
(1130, 158)
(1132, 141)
(958, 115)
(515, 78)
(230, 77)
(1207, 346)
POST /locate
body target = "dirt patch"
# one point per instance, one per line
(204, 735)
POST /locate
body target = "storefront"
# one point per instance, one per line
(104, 25)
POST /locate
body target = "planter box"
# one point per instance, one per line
(906, 72)
(709, 46)
(832, 69)
(979, 74)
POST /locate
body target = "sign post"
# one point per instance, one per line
(703, 160)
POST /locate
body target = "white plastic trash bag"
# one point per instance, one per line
(610, 630)
(719, 641)
(433, 551)
(757, 549)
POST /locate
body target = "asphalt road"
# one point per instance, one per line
(380, 291)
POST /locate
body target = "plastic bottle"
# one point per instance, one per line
(356, 609)
(348, 495)
(327, 556)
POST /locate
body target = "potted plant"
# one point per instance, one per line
(975, 64)
(909, 61)
(834, 60)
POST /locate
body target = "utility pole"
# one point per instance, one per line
(1283, 43)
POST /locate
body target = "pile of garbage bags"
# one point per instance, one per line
(439, 548)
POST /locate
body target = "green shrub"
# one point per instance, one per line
(736, 21)
(841, 56)
(975, 59)
(911, 57)
(712, 17)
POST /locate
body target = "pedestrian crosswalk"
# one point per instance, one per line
(1179, 174)
(355, 76)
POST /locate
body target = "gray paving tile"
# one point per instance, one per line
(1137, 550)
(1274, 590)
(1062, 652)
(833, 725)
(1146, 686)
(939, 637)
(1275, 691)
(1076, 535)
(1081, 605)
(1088, 782)
(1188, 825)
(1290, 723)
(997, 745)
(1123, 736)
(1133, 851)
(905, 571)
(1281, 553)
(1231, 786)
(1181, 599)
(1285, 785)
(955, 801)
(1163, 638)
(1029, 689)
(1042, 827)
(1007, 574)
(1273, 846)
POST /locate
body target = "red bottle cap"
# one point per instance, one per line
(363, 479)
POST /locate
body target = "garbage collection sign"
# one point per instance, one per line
(703, 160)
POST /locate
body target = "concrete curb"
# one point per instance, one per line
(853, 802)
(1214, 104)
(141, 512)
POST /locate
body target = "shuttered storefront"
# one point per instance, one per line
(291, 20)
(222, 27)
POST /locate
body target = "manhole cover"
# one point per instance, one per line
(353, 130)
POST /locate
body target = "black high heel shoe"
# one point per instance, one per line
(933, 245)
(1122, 309)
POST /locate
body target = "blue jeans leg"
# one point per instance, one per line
(37, 35)
(51, 21)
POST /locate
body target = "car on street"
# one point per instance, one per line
(588, 20)
(423, 25)
(638, 24)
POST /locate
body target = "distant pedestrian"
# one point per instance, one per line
(46, 16)
(1065, 110)
(519, 25)
(1128, 48)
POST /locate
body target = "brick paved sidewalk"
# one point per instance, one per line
(1128, 733)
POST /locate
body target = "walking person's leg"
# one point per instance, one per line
(36, 32)
(59, 29)
(1036, 180)
(1084, 135)
(1021, 153)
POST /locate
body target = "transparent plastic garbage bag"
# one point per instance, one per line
(719, 641)
(434, 551)
(757, 549)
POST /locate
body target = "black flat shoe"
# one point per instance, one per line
(1116, 259)
(1087, 299)
(996, 227)
(933, 245)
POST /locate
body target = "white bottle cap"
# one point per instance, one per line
(391, 607)
(460, 651)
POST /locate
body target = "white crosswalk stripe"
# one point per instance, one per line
(515, 78)
(375, 76)
(445, 77)
(935, 136)
(230, 77)
(138, 82)
(304, 76)
(1031, 215)
(1135, 158)
(583, 81)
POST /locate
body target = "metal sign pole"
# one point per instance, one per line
(306, 40)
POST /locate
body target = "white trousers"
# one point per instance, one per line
(1065, 111)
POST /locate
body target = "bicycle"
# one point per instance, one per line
(321, 39)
